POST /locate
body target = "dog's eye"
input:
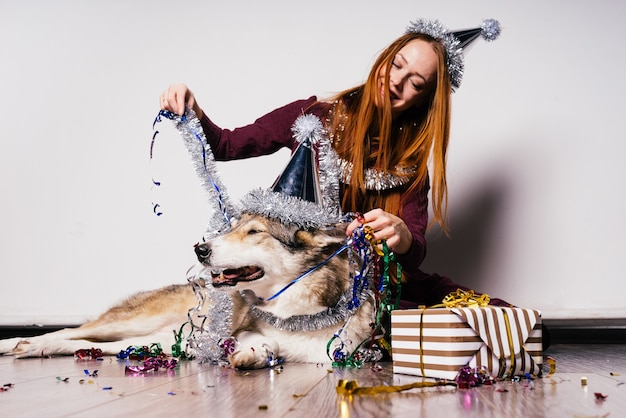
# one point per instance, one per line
(253, 231)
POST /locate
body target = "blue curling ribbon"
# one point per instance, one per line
(306, 273)
(362, 247)
(360, 283)
(155, 209)
(155, 206)
(172, 116)
(123, 354)
(183, 118)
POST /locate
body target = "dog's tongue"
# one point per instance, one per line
(231, 277)
(232, 274)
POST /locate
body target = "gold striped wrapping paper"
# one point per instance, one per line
(437, 342)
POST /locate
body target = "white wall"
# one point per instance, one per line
(536, 175)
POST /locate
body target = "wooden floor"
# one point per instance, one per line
(55, 387)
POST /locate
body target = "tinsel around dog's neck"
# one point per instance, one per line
(331, 316)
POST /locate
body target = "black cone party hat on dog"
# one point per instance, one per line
(300, 177)
(306, 193)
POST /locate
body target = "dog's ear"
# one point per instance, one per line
(322, 237)
(335, 232)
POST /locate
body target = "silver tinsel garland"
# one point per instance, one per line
(216, 325)
(377, 179)
(203, 163)
(329, 169)
(332, 315)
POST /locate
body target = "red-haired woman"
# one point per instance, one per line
(386, 132)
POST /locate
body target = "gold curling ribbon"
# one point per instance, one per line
(351, 387)
(384, 344)
(369, 235)
(552, 363)
(464, 299)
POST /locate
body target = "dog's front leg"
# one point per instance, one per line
(254, 351)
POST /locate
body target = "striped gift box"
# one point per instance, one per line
(439, 342)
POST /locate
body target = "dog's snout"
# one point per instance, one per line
(202, 251)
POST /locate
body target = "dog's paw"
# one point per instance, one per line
(39, 347)
(249, 358)
(256, 356)
(24, 349)
(7, 346)
(21, 348)
(253, 350)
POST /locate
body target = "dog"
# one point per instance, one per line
(272, 315)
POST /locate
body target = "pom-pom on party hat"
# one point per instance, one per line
(300, 177)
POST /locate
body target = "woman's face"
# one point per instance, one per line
(411, 77)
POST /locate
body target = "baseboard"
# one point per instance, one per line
(11, 331)
(587, 331)
(561, 331)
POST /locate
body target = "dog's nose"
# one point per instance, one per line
(202, 251)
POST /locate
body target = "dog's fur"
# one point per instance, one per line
(258, 255)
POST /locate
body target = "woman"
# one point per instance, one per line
(385, 133)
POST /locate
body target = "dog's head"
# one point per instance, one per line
(262, 254)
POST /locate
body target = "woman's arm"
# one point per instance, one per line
(415, 216)
(265, 136)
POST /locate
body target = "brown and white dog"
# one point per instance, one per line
(256, 259)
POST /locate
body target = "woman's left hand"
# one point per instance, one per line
(386, 227)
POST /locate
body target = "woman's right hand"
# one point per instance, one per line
(386, 227)
(176, 97)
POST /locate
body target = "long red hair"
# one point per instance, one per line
(416, 138)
